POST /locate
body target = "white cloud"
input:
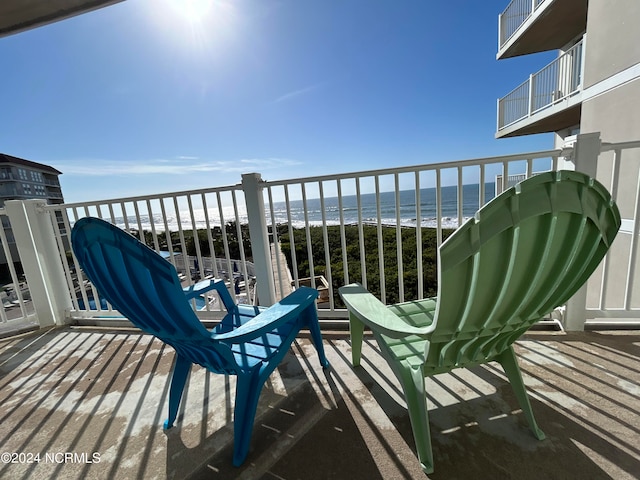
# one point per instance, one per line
(299, 92)
(183, 165)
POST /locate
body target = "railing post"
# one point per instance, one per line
(40, 258)
(586, 152)
(530, 109)
(583, 50)
(585, 157)
(259, 234)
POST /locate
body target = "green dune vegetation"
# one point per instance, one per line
(336, 261)
(371, 260)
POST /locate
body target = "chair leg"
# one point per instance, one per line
(180, 373)
(248, 387)
(356, 332)
(316, 336)
(510, 365)
(412, 380)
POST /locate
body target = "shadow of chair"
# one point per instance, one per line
(249, 342)
(522, 255)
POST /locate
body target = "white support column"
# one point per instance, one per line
(40, 258)
(585, 158)
(259, 234)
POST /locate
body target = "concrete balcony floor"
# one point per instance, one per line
(104, 391)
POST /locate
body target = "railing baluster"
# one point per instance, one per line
(212, 250)
(460, 196)
(327, 252)
(243, 259)
(276, 240)
(312, 272)
(420, 270)
(439, 207)
(294, 258)
(140, 231)
(152, 225)
(482, 192)
(196, 239)
(399, 246)
(343, 239)
(635, 231)
(383, 290)
(363, 265)
(615, 179)
(225, 244)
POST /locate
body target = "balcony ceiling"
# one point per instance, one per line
(20, 15)
(557, 23)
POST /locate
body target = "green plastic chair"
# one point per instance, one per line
(523, 254)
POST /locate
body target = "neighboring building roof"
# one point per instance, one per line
(4, 158)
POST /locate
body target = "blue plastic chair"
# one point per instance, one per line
(249, 342)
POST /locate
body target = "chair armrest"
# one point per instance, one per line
(276, 315)
(375, 314)
(204, 286)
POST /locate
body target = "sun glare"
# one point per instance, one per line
(193, 11)
(196, 23)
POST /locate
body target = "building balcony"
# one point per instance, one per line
(97, 388)
(548, 101)
(531, 26)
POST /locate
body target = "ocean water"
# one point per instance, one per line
(389, 210)
(312, 212)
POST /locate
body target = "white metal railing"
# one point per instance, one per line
(557, 81)
(616, 290)
(202, 232)
(342, 212)
(375, 227)
(16, 310)
(501, 186)
(338, 226)
(512, 18)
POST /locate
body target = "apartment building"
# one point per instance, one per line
(592, 86)
(22, 179)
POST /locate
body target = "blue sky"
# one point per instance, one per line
(151, 96)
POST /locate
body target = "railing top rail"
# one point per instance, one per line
(157, 196)
(570, 50)
(525, 83)
(422, 167)
(607, 146)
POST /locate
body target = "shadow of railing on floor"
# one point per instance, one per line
(488, 435)
(19, 349)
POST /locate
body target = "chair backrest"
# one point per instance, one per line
(525, 253)
(146, 289)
